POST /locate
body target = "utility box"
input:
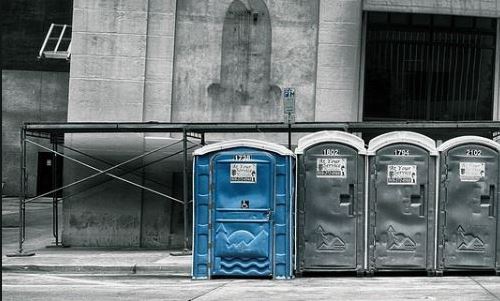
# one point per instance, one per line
(243, 210)
(469, 230)
(402, 167)
(330, 202)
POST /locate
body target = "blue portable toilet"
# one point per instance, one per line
(243, 224)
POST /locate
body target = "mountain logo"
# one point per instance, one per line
(328, 241)
(241, 243)
(468, 242)
(399, 241)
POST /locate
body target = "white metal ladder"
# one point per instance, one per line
(57, 43)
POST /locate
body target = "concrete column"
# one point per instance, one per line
(338, 65)
(159, 60)
(496, 84)
(106, 84)
(107, 60)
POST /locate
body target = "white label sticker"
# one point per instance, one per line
(402, 174)
(331, 168)
(471, 171)
(243, 173)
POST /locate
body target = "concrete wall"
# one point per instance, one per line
(480, 8)
(339, 45)
(34, 96)
(121, 70)
(200, 91)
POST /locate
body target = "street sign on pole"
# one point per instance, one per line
(289, 105)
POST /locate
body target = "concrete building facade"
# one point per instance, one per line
(218, 61)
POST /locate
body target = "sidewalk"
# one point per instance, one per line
(72, 261)
(75, 260)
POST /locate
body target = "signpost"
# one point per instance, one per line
(289, 111)
(289, 105)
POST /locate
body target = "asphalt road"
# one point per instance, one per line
(24, 286)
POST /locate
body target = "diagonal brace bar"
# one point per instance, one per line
(111, 164)
(105, 171)
(132, 170)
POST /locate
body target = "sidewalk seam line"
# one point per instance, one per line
(478, 283)
(215, 288)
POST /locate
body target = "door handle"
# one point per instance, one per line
(269, 214)
(419, 200)
(489, 200)
(348, 200)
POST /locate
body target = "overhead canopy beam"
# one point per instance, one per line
(151, 127)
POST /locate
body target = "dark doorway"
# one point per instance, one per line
(50, 169)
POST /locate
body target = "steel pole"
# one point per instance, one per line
(22, 195)
(185, 189)
(55, 209)
(22, 199)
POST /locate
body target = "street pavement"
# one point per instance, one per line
(103, 274)
(30, 286)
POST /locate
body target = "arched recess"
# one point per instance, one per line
(244, 92)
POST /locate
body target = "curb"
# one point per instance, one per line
(167, 271)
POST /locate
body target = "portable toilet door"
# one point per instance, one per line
(468, 235)
(330, 202)
(401, 201)
(243, 206)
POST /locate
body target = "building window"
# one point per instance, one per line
(429, 67)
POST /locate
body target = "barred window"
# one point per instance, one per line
(429, 67)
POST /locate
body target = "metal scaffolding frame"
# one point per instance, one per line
(55, 132)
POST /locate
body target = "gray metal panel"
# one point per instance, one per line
(330, 209)
(401, 219)
(468, 223)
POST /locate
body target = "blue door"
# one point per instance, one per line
(242, 189)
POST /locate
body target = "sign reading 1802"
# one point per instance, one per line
(401, 152)
(330, 152)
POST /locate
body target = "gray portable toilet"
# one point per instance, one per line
(330, 202)
(401, 200)
(469, 230)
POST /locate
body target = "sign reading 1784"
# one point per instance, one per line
(289, 104)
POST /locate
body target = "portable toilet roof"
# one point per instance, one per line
(402, 137)
(330, 136)
(258, 144)
(467, 140)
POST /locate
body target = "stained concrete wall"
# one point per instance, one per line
(199, 57)
(34, 96)
(121, 70)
